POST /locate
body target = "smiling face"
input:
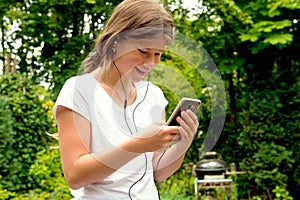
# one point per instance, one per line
(135, 58)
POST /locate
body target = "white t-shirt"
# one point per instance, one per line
(110, 126)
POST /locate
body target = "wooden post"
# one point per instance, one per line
(7, 64)
(13, 68)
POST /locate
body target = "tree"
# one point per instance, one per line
(254, 45)
(49, 39)
(272, 69)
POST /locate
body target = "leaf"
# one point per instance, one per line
(268, 26)
(274, 39)
(245, 37)
(91, 1)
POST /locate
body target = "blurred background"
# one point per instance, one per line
(254, 44)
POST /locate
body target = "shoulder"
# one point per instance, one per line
(76, 94)
(78, 83)
(77, 87)
(79, 79)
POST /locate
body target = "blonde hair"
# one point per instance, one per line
(136, 19)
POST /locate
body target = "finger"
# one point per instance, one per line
(171, 128)
(186, 118)
(193, 116)
(186, 131)
(188, 121)
(182, 122)
(184, 134)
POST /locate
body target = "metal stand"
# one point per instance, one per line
(211, 184)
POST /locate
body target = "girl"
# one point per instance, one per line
(112, 136)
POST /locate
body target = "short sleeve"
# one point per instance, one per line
(73, 95)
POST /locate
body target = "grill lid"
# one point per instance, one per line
(211, 162)
(211, 165)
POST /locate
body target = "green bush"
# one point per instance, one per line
(47, 172)
(24, 121)
(266, 138)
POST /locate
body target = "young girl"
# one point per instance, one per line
(112, 136)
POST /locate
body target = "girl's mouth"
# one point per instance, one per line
(141, 72)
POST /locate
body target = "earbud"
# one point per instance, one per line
(115, 46)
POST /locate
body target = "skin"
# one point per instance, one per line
(134, 60)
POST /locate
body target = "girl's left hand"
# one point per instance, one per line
(188, 127)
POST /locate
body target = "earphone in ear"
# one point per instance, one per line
(114, 47)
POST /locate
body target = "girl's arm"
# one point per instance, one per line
(80, 166)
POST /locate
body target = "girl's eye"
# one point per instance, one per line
(142, 51)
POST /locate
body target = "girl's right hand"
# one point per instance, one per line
(158, 137)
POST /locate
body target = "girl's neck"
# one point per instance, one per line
(119, 88)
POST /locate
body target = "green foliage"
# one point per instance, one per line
(4, 193)
(171, 196)
(24, 122)
(267, 137)
(255, 45)
(180, 184)
(53, 36)
(269, 27)
(269, 165)
(267, 33)
(47, 172)
(281, 194)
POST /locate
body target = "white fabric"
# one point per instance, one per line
(85, 96)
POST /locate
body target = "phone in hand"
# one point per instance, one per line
(184, 104)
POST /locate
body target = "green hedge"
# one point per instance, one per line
(24, 120)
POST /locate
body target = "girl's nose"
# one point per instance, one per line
(152, 60)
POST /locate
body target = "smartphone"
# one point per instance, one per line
(184, 104)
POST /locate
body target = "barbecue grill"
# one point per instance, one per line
(212, 166)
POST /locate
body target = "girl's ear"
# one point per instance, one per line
(114, 47)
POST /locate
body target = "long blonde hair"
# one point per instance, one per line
(130, 19)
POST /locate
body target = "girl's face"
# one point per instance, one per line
(136, 58)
